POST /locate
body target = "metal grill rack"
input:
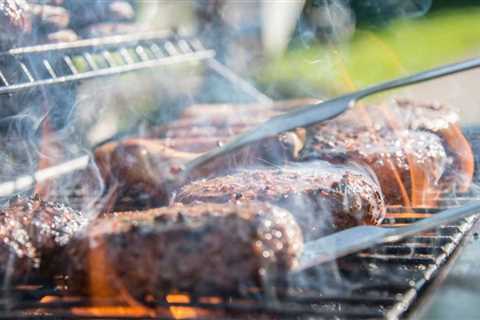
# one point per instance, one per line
(68, 63)
(386, 282)
(382, 283)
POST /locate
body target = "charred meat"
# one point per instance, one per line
(416, 150)
(146, 163)
(32, 231)
(408, 164)
(320, 195)
(149, 164)
(200, 248)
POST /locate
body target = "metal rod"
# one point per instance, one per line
(28, 181)
(90, 43)
(110, 71)
(248, 88)
(316, 113)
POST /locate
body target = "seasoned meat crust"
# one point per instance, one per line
(139, 167)
(200, 248)
(31, 233)
(390, 156)
(416, 149)
(320, 195)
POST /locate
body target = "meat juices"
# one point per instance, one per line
(321, 196)
(200, 248)
(32, 232)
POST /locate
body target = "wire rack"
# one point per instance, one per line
(41, 66)
(382, 283)
(68, 63)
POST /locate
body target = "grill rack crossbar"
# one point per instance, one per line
(54, 64)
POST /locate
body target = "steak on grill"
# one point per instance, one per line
(416, 150)
(200, 248)
(320, 195)
(144, 164)
(150, 163)
(32, 231)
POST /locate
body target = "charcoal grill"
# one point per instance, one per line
(386, 282)
(382, 283)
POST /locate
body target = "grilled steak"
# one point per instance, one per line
(32, 231)
(219, 120)
(147, 165)
(416, 150)
(320, 195)
(142, 165)
(394, 158)
(200, 248)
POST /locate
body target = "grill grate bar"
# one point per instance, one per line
(63, 63)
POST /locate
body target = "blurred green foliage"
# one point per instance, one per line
(374, 54)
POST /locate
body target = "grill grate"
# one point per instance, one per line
(383, 282)
(66, 63)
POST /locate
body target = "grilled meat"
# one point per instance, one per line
(32, 231)
(321, 196)
(219, 120)
(145, 164)
(442, 121)
(416, 150)
(200, 248)
(29, 22)
(149, 164)
(400, 161)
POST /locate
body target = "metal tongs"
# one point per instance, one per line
(330, 247)
(312, 114)
(362, 237)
